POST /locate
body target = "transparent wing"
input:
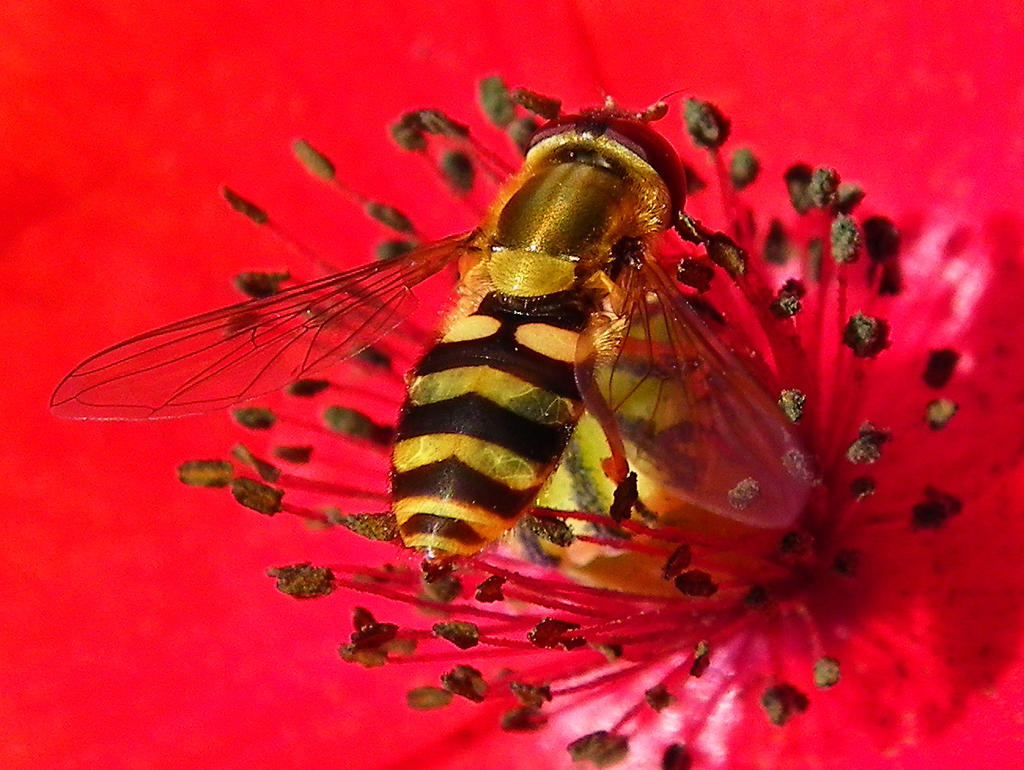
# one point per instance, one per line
(689, 413)
(220, 358)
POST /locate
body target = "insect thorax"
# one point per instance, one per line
(556, 222)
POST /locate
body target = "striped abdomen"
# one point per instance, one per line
(489, 412)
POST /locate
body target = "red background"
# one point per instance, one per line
(138, 629)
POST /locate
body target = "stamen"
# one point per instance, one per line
(545, 107)
(701, 659)
(846, 562)
(782, 702)
(707, 126)
(744, 493)
(303, 581)
(676, 757)
(798, 181)
(531, 695)
(881, 238)
(696, 584)
(659, 698)
(260, 497)
(260, 217)
(496, 101)
(695, 273)
(694, 181)
(521, 131)
(551, 530)
(490, 589)
(940, 367)
(428, 698)
(866, 336)
(776, 245)
(460, 633)
(522, 719)
(846, 239)
(245, 207)
(822, 188)
(861, 487)
(260, 285)
(254, 417)
(350, 422)
(787, 302)
(458, 171)
(372, 526)
(867, 448)
(792, 401)
(601, 748)
(466, 682)
(624, 499)
(206, 473)
(743, 169)
(936, 509)
(939, 412)
(826, 673)
(297, 455)
(848, 197)
(392, 249)
(266, 471)
(307, 388)
(552, 633)
(679, 560)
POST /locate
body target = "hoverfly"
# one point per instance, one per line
(563, 309)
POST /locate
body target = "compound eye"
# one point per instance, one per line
(554, 128)
(644, 141)
(629, 144)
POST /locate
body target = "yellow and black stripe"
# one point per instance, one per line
(489, 412)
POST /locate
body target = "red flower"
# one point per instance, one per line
(140, 630)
